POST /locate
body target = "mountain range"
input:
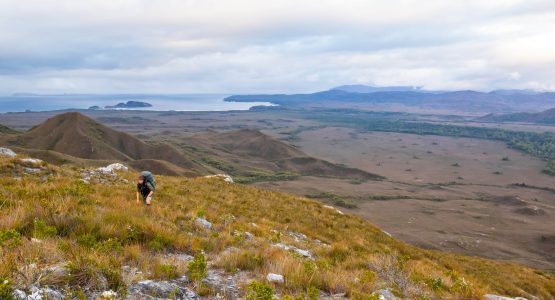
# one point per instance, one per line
(499, 101)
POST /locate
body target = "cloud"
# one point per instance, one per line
(247, 46)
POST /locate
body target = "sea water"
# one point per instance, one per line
(181, 102)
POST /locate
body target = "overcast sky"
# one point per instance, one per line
(255, 46)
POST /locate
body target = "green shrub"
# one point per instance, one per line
(87, 240)
(549, 169)
(159, 243)
(312, 293)
(197, 267)
(6, 289)
(110, 245)
(10, 238)
(436, 284)
(41, 230)
(259, 291)
(166, 271)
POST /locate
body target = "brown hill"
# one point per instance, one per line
(253, 143)
(79, 136)
(248, 149)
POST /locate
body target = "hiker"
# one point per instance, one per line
(145, 187)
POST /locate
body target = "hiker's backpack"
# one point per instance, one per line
(148, 178)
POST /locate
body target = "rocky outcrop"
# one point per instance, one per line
(154, 290)
(224, 177)
(7, 152)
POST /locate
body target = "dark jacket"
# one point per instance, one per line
(144, 189)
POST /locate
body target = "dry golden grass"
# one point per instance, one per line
(96, 229)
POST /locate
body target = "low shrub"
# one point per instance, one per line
(259, 291)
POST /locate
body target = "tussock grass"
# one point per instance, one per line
(93, 230)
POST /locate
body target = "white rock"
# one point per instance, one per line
(336, 210)
(386, 294)
(31, 170)
(105, 170)
(108, 295)
(248, 235)
(44, 293)
(33, 161)
(303, 253)
(7, 152)
(225, 177)
(149, 289)
(496, 297)
(204, 223)
(117, 167)
(19, 295)
(282, 246)
(275, 278)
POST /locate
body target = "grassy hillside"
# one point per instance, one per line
(97, 231)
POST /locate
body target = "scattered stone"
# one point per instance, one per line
(282, 246)
(248, 235)
(117, 167)
(19, 294)
(182, 257)
(150, 289)
(386, 294)
(108, 295)
(101, 174)
(297, 236)
(31, 170)
(32, 161)
(225, 177)
(301, 252)
(204, 223)
(225, 285)
(275, 278)
(496, 297)
(7, 152)
(39, 294)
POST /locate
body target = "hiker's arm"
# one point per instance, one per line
(138, 197)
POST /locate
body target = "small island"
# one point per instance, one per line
(130, 104)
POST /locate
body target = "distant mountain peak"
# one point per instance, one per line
(360, 88)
